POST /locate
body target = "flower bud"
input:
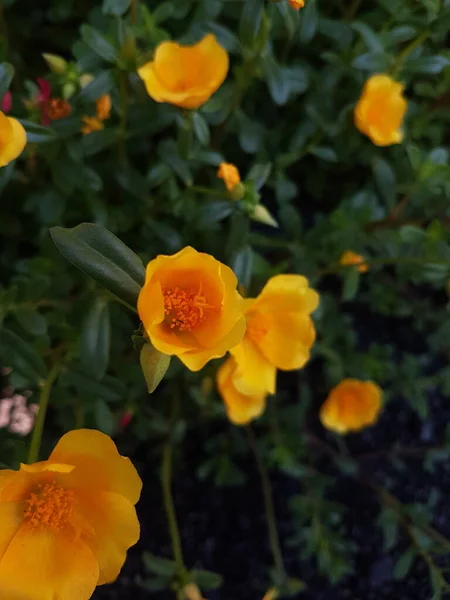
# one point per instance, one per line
(57, 64)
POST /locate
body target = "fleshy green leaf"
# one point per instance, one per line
(154, 366)
(95, 339)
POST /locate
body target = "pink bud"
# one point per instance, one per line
(125, 419)
(7, 102)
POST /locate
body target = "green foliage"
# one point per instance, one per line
(146, 184)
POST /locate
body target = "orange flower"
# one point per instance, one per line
(12, 139)
(296, 4)
(230, 175)
(58, 109)
(351, 258)
(190, 307)
(381, 109)
(186, 76)
(66, 523)
(103, 108)
(279, 333)
(351, 406)
(241, 408)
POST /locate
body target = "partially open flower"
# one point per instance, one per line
(185, 76)
(230, 175)
(67, 523)
(296, 4)
(103, 112)
(279, 333)
(381, 109)
(351, 406)
(241, 408)
(12, 139)
(58, 109)
(190, 307)
(351, 258)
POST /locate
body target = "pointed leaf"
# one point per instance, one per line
(154, 366)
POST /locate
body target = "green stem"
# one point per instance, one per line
(169, 504)
(36, 438)
(208, 191)
(409, 48)
(269, 508)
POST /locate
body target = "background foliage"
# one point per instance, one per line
(284, 117)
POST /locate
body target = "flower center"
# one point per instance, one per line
(257, 327)
(49, 506)
(184, 309)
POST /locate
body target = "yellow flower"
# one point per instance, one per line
(351, 406)
(186, 76)
(230, 175)
(241, 408)
(12, 139)
(296, 4)
(380, 110)
(351, 258)
(66, 523)
(103, 112)
(190, 307)
(279, 333)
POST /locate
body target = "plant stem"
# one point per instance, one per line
(36, 438)
(269, 508)
(134, 11)
(169, 504)
(208, 191)
(409, 48)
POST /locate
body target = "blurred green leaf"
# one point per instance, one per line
(309, 20)
(96, 339)
(206, 579)
(22, 357)
(6, 75)
(115, 7)
(154, 366)
(98, 43)
(404, 564)
(250, 21)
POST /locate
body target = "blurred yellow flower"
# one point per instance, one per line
(185, 76)
(103, 112)
(241, 408)
(230, 175)
(12, 139)
(296, 4)
(67, 523)
(190, 307)
(351, 406)
(351, 258)
(381, 109)
(279, 333)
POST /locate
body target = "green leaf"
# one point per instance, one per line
(215, 211)
(100, 86)
(309, 20)
(109, 389)
(324, 153)
(6, 75)
(102, 256)
(404, 564)
(104, 417)
(372, 61)
(432, 65)
(385, 180)
(277, 82)
(159, 566)
(154, 366)
(22, 357)
(242, 265)
(115, 7)
(250, 22)
(371, 39)
(38, 134)
(98, 43)
(32, 321)
(259, 174)
(352, 279)
(207, 580)
(201, 129)
(96, 339)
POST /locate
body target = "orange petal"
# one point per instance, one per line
(98, 464)
(11, 518)
(14, 139)
(254, 374)
(47, 566)
(115, 529)
(288, 341)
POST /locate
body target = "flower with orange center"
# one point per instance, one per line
(67, 523)
(12, 139)
(381, 109)
(230, 175)
(103, 112)
(241, 408)
(190, 307)
(351, 258)
(351, 406)
(58, 109)
(279, 333)
(296, 4)
(185, 76)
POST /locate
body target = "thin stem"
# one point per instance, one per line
(36, 438)
(208, 191)
(409, 48)
(268, 504)
(169, 504)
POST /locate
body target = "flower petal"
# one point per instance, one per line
(98, 464)
(254, 374)
(47, 566)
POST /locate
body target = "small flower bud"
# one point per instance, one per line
(56, 63)
(262, 215)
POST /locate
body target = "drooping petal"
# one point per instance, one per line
(254, 374)
(42, 565)
(288, 340)
(98, 464)
(115, 529)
